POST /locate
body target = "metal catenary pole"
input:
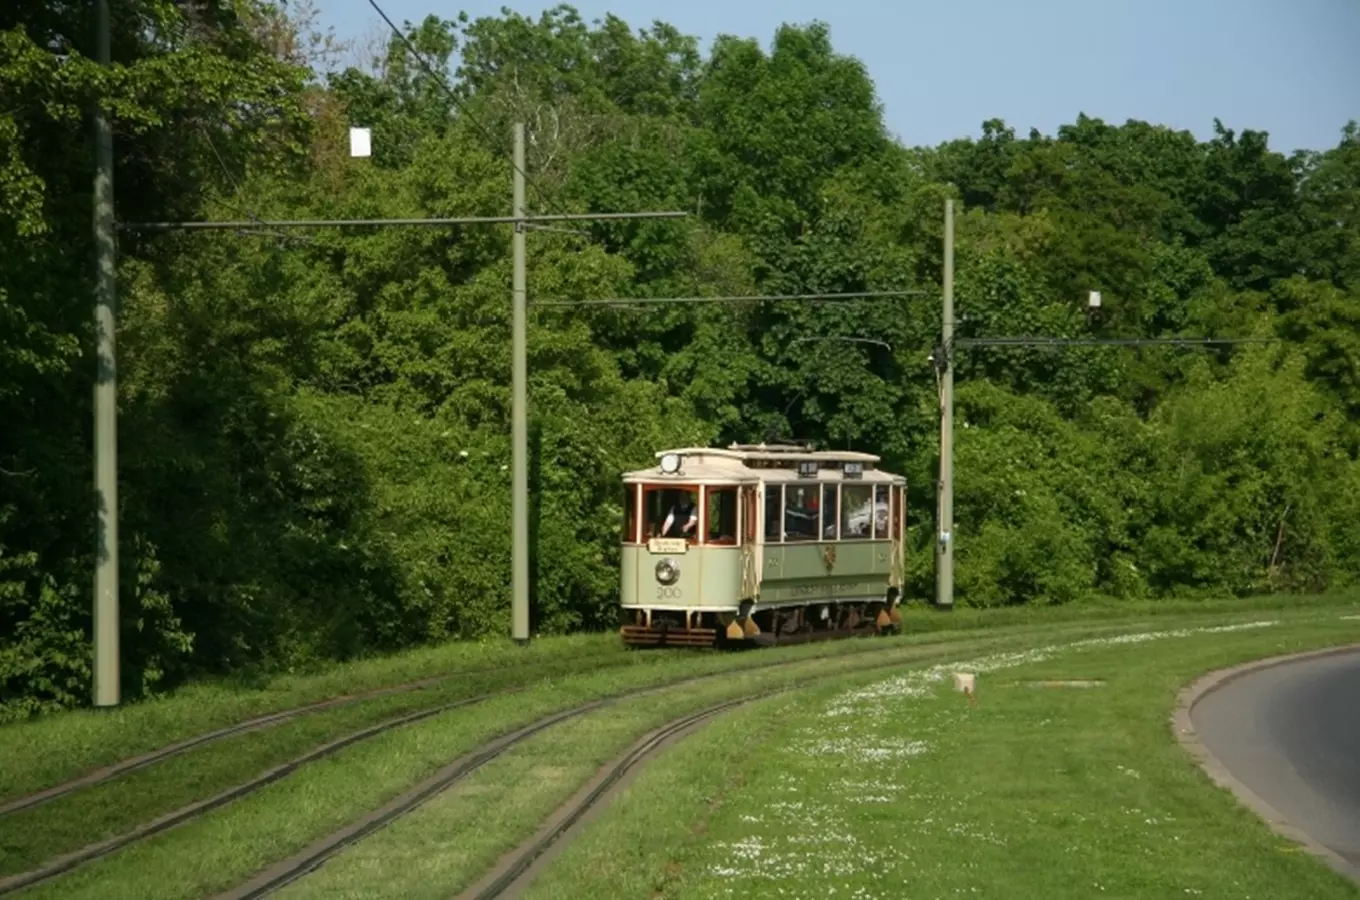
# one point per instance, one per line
(106, 626)
(519, 428)
(944, 544)
(944, 573)
(106, 584)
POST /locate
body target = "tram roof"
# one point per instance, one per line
(752, 463)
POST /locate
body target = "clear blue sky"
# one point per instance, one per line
(1290, 67)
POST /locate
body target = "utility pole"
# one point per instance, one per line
(521, 221)
(519, 548)
(106, 624)
(944, 545)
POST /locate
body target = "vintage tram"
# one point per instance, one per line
(758, 544)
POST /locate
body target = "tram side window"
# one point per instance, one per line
(722, 515)
(773, 512)
(881, 507)
(630, 514)
(829, 514)
(801, 509)
(856, 511)
(659, 503)
(899, 509)
(748, 512)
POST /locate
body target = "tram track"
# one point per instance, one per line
(91, 852)
(68, 861)
(285, 872)
(104, 774)
(320, 851)
(518, 869)
(132, 764)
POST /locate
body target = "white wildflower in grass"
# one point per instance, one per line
(825, 833)
(859, 750)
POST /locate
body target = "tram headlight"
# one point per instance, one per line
(667, 571)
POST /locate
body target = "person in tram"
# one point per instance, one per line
(683, 518)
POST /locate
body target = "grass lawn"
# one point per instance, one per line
(897, 787)
(52, 749)
(444, 847)
(227, 845)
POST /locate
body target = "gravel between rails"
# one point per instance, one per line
(313, 857)
(132, 764)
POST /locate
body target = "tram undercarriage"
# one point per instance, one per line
(762, 625)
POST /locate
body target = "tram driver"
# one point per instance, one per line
(683, 518)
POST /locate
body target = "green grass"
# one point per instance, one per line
(896, 787)
(444, 846)
(227, 845)
(55, 748)
(34, 835)
(923, 618)
(262, 828)
(46, 751)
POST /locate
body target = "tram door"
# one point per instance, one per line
(750, 549)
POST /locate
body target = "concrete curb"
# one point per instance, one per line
(1189, 740)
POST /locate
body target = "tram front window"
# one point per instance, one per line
(672, 512)
(722, 515)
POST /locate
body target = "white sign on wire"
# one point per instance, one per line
(360, 142)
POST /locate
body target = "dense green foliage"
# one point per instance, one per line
(314, 425)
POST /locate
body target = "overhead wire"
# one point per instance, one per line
(462, 108)
(548, 201)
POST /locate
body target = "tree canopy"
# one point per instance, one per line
(314, 425)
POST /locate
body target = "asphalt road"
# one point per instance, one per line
(1291, 734)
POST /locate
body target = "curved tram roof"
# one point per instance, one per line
(754, 463)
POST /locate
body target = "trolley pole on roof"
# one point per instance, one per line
(944, 543)
(106, 625)
(519, 549)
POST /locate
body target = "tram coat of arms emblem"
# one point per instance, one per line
(829, 557)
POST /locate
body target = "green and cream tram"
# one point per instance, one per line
(760, 543)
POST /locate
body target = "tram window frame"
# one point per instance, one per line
(750, 512)
(801, 537)
(882, 494)
(632, 514)
(831, 505)
(849, 506)
(899, 509)
(649, 519)
(774, 513)
(720, 491)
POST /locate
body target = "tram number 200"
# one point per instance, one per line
(668, 593)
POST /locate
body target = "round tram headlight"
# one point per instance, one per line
(667, 571)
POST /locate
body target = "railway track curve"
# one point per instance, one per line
(91, 852)
(131, 764)
(517, 870)
(278, 876)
